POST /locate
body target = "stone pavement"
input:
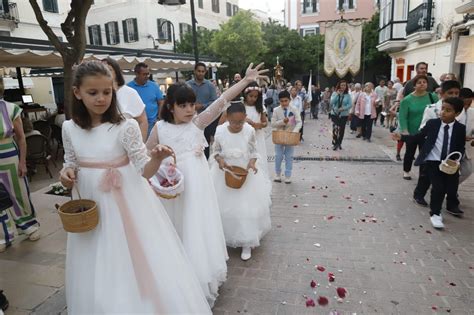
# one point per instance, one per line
(347, 211)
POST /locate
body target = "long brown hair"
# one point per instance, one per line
(80, 115)
(338, 86)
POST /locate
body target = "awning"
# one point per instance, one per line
(11, 83)
(49, 58)
(465, 53)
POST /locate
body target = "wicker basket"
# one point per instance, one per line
(79, 216)
(450, 166)
(284, 137)
(167, 192)
(235, 176)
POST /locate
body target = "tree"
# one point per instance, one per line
(238, 42)
(371, 56)
(72, 52)
(204, 38)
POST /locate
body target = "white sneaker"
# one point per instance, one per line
(287, 180)
(277, 178)
(437, 221)
(246, 253)
(35, 235)
(3, 247)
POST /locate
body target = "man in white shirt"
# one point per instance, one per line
(467, 118)
(297, 102)
(380, 90)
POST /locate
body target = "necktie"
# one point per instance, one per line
(444, 150)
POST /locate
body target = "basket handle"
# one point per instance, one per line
(232, 174)
(455, 152)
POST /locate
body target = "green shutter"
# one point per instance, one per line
(90, 35)
(117, 33)
(135, 29)
(125, 31)
(107, 33)
(100, 36)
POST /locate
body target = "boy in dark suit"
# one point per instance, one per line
(442, 136)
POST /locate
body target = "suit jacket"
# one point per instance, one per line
(430, 133)
(279, 115)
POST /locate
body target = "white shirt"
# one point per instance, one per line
(398, 86)
(435, 154)
(432, 111)
(368, 105)
(129, 102)
(297, 103)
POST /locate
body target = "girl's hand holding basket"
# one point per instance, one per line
(161, 152)
(67, 176)
(251, 166)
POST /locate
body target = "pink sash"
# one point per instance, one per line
(111, 181)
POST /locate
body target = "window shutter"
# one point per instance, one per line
(351, 4)
(107, 33)
(125, 31)
(168, 25)
(303, 3)
(117, 33)
(135, 29)
(100, 35)
(90, 35)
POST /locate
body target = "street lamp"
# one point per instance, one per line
(193, 22)
(163, 40)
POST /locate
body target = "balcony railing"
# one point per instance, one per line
(394, 30)
(10, 12)
(421, 18)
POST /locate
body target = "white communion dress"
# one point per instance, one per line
(245, 211)
(133, 261)
(253, 115)
(195, 212)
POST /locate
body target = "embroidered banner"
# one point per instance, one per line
(342, 49)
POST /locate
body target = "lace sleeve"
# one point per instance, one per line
(70, 160)
(133, 144)
(252, 146)
(153, 139)
(211, 113)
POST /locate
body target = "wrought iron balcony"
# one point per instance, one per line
(9, 13)
(421, 18)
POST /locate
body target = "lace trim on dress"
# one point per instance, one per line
(211, 113)
(70, 160)
(132, 142)
(252, 147)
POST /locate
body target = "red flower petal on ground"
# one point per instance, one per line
(428, 231)
(349, 207)
(341, 292)
(313, 187)
(323, 301)
(330, 217)
(331, 277)
(310, 303)
(295, 206)
(320, 268)
(342, 182)
(452, 284)
(313, 284)
(434, 308)
(325, 196)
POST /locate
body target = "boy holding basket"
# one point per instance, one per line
(285, 118)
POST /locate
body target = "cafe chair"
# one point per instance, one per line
(37, 152)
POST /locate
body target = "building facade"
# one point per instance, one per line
(119, 23)
(308, 17)
(426, 30)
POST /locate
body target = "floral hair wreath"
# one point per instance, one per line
(252, 88)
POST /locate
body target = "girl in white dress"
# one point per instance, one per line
(245, 211)
(133, 261)
(195, 212)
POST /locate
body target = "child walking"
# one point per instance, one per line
(245, 211)
(441, 136)
(285, 117)
(195, 213)
(133, 261)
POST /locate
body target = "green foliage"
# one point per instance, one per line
(204, 38)
(370, 33)
(238, 42)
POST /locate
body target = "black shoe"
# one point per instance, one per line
(455, 211)
(358, 136)
(334, 147)
(398, 157)
(420, 201)
(340, 148)
(3, 301)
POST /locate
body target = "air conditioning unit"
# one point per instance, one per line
(172, 2)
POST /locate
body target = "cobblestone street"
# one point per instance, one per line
(349, 212)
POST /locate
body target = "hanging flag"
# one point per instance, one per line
(309, 91)
(342, 49)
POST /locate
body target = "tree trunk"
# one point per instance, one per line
(68, 78)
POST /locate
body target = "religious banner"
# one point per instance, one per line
(342, 49)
